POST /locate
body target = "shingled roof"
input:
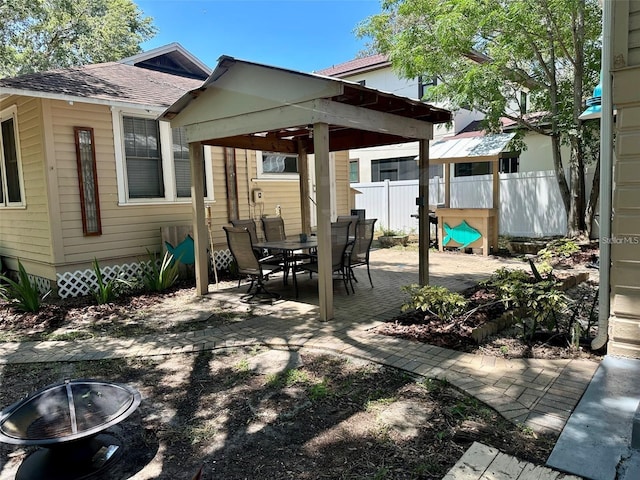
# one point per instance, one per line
(103, 83)
(357, 65)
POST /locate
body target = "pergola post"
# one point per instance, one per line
(496, 203)
(496, 184)
(200, 233)
(447, 185)
(323, 213)
(424, 227)
(303, 174)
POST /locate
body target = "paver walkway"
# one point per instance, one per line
(538, 393)
(481, 462)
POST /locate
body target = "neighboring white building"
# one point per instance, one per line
(398, 161)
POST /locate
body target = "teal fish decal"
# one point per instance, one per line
(464, 234)
(184, 252)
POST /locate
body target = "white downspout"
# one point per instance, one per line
(606, 164)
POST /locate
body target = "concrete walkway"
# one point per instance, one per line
(600, 440)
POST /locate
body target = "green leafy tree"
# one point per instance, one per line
(486, 52)
(38, 35)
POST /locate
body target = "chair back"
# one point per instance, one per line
(239, 242)
(339, 242)
(250, 225)
(273, 228)
(349, 218)
(363, 239)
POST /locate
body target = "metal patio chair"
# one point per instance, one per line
(349, 218)
(248, 263)
(358, 254)
(273, 228)
(339, 243)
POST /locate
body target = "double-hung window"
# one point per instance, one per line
(153, 161)
(182, 164)
(11, 187)
(143, 156)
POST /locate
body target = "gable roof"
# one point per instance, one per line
(110, 83)
(261, 107)
(357, 65)
(172, 58)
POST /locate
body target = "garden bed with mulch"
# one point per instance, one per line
(505, 336)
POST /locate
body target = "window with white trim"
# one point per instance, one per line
(11, 185)
(277, 165)
(153, 160)
(143, 157)
(182, 163)
(354, 170)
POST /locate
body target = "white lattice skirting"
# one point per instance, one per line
(42, 284)
(82, 282)
(223, 258)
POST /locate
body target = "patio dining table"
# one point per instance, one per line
(288, 247)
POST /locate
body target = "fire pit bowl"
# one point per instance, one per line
(68, 420)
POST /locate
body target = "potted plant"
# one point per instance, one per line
(391, 238)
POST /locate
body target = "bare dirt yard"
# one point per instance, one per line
(269, 414)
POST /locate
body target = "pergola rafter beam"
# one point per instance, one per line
(255, 142)
(308, 113)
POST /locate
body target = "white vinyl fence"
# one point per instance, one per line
(530, 202)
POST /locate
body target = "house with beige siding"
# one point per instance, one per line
(88, 171)
(621, 66)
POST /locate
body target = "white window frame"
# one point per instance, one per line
(6, 114)
(208, 170)
(276, 176)
(166, 153)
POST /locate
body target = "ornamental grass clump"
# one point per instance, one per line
(158, 278)
(438, 301)
(23, 295)
(107, 290)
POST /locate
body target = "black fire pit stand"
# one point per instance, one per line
(68, 420)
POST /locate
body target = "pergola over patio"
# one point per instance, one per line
(261, 107)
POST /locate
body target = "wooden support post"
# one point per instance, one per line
(201, 236)
(496, 184)
(496, 205)
(303, 174)
(424, 227)
(447, 185)
(323, 213)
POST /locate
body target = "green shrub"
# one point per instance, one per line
(23, 294)
(534, 303)
(557, 249)
(390, 233)
(159, 278)
(438, 301)
(107, 290)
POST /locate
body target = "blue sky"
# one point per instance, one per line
(305, 35)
